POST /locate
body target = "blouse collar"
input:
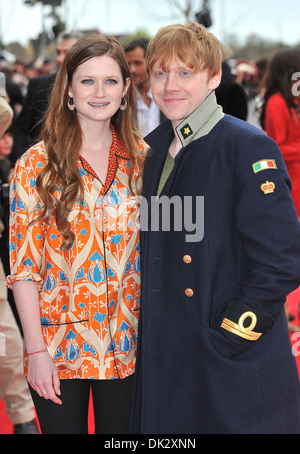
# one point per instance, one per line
(117, 148)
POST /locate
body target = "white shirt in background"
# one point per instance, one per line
(148, 118)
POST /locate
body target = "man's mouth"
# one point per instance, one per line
(173, 100)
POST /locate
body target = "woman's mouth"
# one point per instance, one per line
(94, 104)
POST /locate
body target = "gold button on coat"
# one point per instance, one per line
(187, 259)
(189, 292)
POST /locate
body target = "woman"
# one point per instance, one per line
(280, 113)
(74, 246)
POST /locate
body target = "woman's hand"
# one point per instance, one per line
(42, 374)
(43, 377)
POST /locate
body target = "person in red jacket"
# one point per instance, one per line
(280, 117)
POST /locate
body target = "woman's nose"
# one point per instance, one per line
(99, 90)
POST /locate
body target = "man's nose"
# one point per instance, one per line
(171, 83)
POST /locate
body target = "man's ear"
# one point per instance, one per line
(215, 81)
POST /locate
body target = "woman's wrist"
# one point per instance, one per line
(44, 350)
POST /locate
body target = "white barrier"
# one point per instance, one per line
(2, 345)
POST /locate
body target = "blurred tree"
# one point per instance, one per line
(54, 3)
(140, 33)
(189, 9)
(59, 25)
(186, 9)
(254, 46)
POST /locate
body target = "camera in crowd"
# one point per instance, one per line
(4, 193)
(4, 214)
(203, 17)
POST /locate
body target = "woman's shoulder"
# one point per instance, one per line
(34, 158)
(276, 100)
(143, 149)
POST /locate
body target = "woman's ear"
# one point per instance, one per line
(127, 85)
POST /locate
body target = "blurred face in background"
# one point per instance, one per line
(6, 144)
(137, 64)
(62, 49)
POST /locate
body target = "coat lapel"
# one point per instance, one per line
(159, 141)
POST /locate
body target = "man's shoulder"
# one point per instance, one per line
(237, 129)
(43, 81)
(245, 143)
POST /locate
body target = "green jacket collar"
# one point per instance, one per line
(201, 121)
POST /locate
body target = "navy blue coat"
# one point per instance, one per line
(201, 367)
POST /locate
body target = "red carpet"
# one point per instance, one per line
(293, 303)
(5, 424)
(6, 427)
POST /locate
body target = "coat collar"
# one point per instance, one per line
(197, 125)
(200, 123)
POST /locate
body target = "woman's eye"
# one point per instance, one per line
(87, 81)
(111, 81)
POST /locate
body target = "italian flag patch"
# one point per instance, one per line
(264, 165)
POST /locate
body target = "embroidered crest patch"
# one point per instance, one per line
(264, 165)
(186, 131)
(268, 187)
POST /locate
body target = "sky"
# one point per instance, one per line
(270, 19)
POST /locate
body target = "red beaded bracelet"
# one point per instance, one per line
(35, 353)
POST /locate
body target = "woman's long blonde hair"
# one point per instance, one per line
(62, 133)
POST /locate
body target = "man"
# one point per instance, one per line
(220, 247)
(28, 124)
(148, 114)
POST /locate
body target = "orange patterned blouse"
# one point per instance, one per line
(89, 294)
